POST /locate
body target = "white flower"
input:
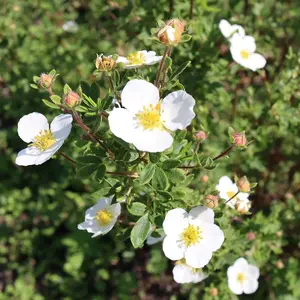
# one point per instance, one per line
(154, 240)
(70, 26)
(243, 52)
(229, 30)
(192, 236)
(227, 189)
(183, 273)
(101, 218)
(44, 141)
(139, 58)
(242, 277)
(145, 121)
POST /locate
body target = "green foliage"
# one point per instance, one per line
(43, 254)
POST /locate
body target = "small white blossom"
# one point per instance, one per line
(242, 277)
(145, 120)
(183, 273)
(154, 240)
(243, 52)
(192, 236)
(44, 141)
(101, 218)
(70, 26)
(229, 30)
(227, 189)
(139, 58)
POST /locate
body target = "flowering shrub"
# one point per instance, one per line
(157, 150)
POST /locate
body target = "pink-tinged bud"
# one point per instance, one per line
(211, 201)
(279, 264)
(204, 178)
(214, 292)
(171, 33)
(279, 234)
(105, 63)
(251, 236)
(240, 139)
(200, 136)
(243, 185)
(46, 81)
(72, 99)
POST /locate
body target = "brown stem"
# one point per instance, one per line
(50, 91)
(103, 114)
(191, 9)
(165, 70)
(88, 131)
(223, 153)
(127, 174)
(232, 196)
(73, 162)
(162, 62)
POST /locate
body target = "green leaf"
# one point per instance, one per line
(100, 173)
(50, 104)
(179, 70)
(140, 231)
(176, 175)
(137, 209)
(94, 91)
(67, 88)
(168, 62)
(116, 78)
(147, 174)
(52, 73)
(154, 157)
(87, 171)
(185, 38)
(160, 180)
(55, 99)
(34, 86)
(36, 79)
(88, 159)
(89, 101)
(170, 164)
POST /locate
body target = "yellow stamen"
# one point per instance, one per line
(245, 54)
(44, 140)
(191, 235)
(230, 194)
(240, 277)
(103, 216)
(149, 118)
(136, 58)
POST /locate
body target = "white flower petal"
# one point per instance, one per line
(227, 29)
(177, 110)
(198, 255)
(115, 210)
(212, 236)
(27, 156)
(202, 214)
(61, 126)
(241, 263)
(151, 58)
(250, 286)
(89, 226)
(121, 124)
(101, 204)
(122, 59)
(235, 287)
(138, 93)
(253, 271)
(172, 248)
(47, 154)
(224, 182)
(175, 221)
(30, 125)
(155, 140)
(183, 273)
(256, 61)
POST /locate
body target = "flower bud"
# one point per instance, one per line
(250, 236)
(214, 292)
(46, 81)
(243, 185)
(279, 234)
(279, 264)
(211, 201)
(200, 136)
(204, 178)
(240, 139)
(170, 34)
(105, 63)
(72, 99)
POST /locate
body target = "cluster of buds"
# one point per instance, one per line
(170, 33)
(105, 63)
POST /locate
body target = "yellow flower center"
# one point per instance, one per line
(230, 194)
(44, 140)
(103, 216)
(136, 58)
(149, 118)
(245, 54)
(191, 235)
(240, 277)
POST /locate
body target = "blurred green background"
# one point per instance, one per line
(43, 255)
